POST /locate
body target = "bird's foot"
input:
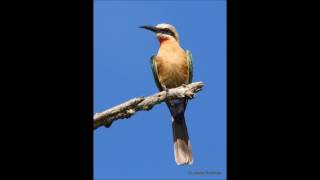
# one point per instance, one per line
(184, 85)
(164, 88)
(167, 91)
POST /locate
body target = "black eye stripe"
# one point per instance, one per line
(168, 31)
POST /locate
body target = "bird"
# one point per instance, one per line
(172, 67)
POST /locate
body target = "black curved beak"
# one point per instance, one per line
(150, 28)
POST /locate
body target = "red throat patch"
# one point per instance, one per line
(162, 39)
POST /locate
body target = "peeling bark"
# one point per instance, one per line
(129, 108)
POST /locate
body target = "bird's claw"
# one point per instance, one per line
(167, 91)
(184, 85)
(164, 88)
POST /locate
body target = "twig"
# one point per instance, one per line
(127, 109)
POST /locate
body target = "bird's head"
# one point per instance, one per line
(164, 31)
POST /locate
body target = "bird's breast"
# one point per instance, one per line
(172, 65)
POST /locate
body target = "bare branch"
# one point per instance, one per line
(127, 109)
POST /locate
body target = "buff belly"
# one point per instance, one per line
(172, 73)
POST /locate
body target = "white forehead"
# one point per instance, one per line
(164, 25)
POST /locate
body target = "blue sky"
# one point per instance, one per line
(142, 147)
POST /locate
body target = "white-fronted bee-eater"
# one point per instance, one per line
(172, 67)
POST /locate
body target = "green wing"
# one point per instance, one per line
(190, 65)
(155, 71)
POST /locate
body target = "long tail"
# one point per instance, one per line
(182, 145)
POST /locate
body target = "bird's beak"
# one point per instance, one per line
(150, 28)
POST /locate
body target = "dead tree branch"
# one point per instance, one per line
(127, 109)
